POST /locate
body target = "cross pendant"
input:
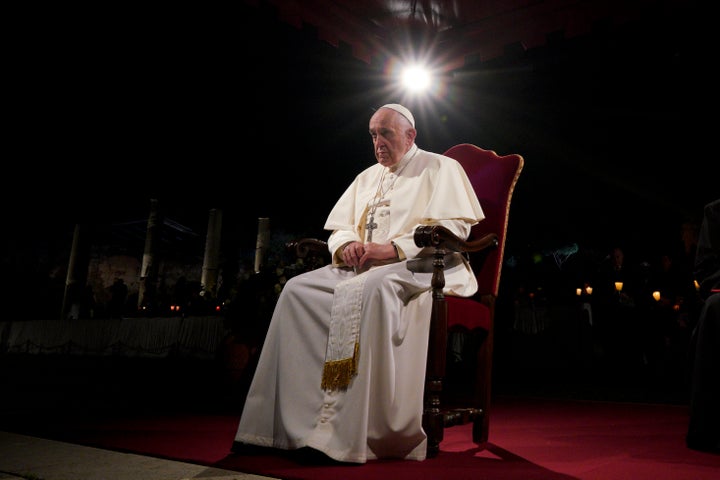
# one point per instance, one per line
(371, 225)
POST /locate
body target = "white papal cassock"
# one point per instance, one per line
(379, 414)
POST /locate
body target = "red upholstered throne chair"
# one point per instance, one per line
(493, 177)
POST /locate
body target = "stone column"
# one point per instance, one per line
(262, 243)
(77, 272)
(150, 261)
(210, 269)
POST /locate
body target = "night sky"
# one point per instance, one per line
(260, 119)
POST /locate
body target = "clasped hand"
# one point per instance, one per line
(357, 254)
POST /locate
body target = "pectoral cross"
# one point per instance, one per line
(371, 225)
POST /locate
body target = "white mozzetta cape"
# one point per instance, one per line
(431, 189)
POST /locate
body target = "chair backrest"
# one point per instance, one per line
(493, 177)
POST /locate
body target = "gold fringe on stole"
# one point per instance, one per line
(338, 373)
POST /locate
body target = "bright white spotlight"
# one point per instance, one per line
(416, 78)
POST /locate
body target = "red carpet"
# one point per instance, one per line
(531, 438)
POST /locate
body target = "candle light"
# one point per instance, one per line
(578, 291)
(618, 286)
(656, 295)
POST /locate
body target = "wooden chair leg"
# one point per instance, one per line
(433, 419)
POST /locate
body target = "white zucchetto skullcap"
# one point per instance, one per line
(402, 111)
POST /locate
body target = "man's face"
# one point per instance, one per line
(391, 135)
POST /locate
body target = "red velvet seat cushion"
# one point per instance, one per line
(468, 313)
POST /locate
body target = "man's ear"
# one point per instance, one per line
(411, 134)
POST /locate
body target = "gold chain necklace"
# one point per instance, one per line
(377, 198)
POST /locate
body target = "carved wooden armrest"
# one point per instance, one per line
(440, 237)
(445, 241)
(312, 251)
(304, 247)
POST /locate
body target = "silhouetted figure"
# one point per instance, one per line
(181, 294)
(118, 298)
(74, 300)
(667, 331)
(618, 322)
(87, 306)
(704, 425)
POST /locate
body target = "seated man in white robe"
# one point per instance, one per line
(343, 364)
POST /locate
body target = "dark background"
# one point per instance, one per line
(236, 110)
